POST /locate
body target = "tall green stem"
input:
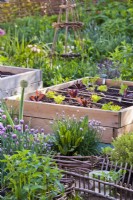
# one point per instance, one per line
(21, 106)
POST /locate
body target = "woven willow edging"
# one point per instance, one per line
(69, 189)
(79, 168)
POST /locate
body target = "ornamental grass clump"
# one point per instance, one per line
(72, 136)
(30, 176)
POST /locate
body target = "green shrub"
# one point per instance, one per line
(123, 149)
(72, 136)
(31, 177)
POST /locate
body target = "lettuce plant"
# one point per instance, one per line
(111, 106)
(102, 88)
(95, 98)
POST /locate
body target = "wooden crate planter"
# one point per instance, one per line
(10, 83)
(40, 113)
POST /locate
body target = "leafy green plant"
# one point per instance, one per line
(31, 177)
(89, 80)
(75, 137)
(50, 94)
(68, 134)
(59, 99)
(95, 98)
(123, 149)
(102, 88)
(106, 151)
(109, 175)
(111, 106)
(123, 89)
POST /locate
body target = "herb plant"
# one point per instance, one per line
(30, 176)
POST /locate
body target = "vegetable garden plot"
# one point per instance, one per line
(107, 101)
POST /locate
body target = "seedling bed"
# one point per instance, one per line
(41, 110)
(83, 98)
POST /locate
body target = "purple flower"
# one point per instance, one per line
(32, 131)
(4, 117)
(21, 121)
(15, 119)
(1, 132)
(9, 126)
(42, 130)
(1, 111)
(19, 128)
(26, 126)
(2, 32)
(14, 136)
(36, 131)
(4, 136)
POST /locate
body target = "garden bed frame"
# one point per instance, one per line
(10, 85)
(40, 114)
(79, 167)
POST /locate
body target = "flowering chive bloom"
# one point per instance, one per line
(4, 117)
(21, 121)
(2, 32)
(14, 136)
(42, 130)
(1, 111)
(15, 119)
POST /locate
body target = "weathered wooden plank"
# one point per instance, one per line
(17, 90)
(14, 80)
(10, 85)
(123, 130)
(15, 70)
(49, 111)
(126, 116)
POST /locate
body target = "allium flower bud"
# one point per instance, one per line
(23, 84)
(14, 136)
(2, 32)
(21, 121)
(4, 117)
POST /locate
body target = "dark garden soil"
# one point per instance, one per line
(80, 95)
(5, 74)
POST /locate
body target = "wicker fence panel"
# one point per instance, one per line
(80, 167)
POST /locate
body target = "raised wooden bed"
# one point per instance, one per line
(41, 113)
(10, 78)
